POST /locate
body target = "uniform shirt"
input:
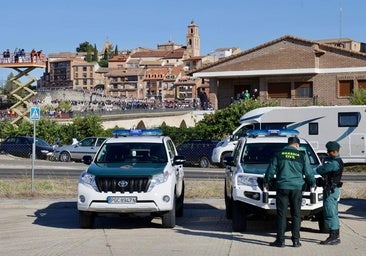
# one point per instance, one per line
(330, 165)
(290, 166)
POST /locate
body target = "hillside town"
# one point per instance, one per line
(289, 70)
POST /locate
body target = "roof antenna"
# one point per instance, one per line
(340, 20)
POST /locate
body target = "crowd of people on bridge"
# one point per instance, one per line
(20, 55)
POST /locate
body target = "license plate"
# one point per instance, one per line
(121, 199)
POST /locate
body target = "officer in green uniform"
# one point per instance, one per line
(331, 170)
(290, 167)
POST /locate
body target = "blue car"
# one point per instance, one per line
(22, 146)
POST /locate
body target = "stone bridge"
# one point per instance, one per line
(186, 118)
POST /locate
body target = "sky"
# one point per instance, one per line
(60, 26)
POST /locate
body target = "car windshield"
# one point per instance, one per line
(40, 142)
(257, 156)
(132, 152)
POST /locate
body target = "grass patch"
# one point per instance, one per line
(67, 188)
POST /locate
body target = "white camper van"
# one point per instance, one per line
(317, 124)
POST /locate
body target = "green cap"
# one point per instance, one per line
(332, 145)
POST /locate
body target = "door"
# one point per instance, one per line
(357, 145)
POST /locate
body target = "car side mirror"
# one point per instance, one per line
(87, 159)
(179, 160)
(229, 160)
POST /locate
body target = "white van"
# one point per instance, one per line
(317, 124)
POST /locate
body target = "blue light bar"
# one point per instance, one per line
(137, 132)
(255, 133)
(286, 132)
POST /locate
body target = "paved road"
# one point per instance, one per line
(47, 227)
(12, 167)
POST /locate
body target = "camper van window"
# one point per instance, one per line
(348, 119)
(313, 128)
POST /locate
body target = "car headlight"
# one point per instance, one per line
(88, 179)
(158, 179)
(246, 180)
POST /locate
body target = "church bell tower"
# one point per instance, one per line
(193, 40)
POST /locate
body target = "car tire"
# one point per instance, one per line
(65, 157)
(204, 162)
(228, 205)
(168, 218)
(86, 219)
(239, 221)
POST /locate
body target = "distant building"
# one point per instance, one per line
(288, 70)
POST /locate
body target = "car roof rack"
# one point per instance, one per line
(137, 132)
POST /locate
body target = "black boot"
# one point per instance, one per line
(333, 238)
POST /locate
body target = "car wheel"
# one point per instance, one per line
(228, 206)
(204, 162)
(168, 218)
(239, 221)
(86, 219)
(65, 156)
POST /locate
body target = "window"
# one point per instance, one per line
(303, 89)
(84, 69)
(348, 119)
(361, 84)
(279, 90)
(85, 82)
(313, 128)
(345, 88)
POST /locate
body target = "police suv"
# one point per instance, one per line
(136, 172)
(244, 191)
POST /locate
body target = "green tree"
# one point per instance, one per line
(88, 56)
(84, 47)
(95, 54)
(90, 125)
(10, 86)
(116, 51)
(358, 97)
(223, 122)
(217, 125)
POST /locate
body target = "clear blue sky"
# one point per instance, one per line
(59, 26)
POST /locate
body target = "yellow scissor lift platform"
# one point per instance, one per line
(23, 64)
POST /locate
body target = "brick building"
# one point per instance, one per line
(289, 70)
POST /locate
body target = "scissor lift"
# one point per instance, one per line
(23, 65)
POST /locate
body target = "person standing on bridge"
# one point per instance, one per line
(331, 170)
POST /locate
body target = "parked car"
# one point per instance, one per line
(244, 191)
(22, 146)
(197, 152)
(137, 172)
(87, 146)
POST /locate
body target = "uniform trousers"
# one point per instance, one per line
(330, 204)
(284, 199)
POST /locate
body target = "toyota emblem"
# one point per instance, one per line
(123, 183)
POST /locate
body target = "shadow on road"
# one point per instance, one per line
(357, 207)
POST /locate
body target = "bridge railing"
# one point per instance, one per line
(23, 57)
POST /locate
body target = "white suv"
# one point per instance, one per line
(138, 171)
(244, 193)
